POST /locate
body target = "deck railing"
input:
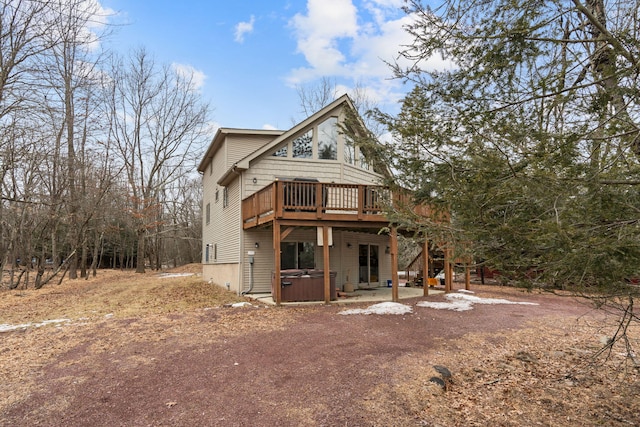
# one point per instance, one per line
(315, 200)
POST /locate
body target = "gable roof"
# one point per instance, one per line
(220, 136)
(243, 164)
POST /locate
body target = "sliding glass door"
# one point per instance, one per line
(368, 263)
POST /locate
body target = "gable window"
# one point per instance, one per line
(364, 164)
(208, 213)
(349, 151)
(297, 255)
(302, 146)
(282, 152)
(328, 139)
(225, 197)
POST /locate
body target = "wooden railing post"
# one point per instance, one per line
(319, 199)
(278, 198)
(361, 190)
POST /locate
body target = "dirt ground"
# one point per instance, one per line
(147, 350)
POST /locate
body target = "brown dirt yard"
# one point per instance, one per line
(147, 350)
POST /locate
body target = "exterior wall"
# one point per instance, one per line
(268, 169)
(211, 231)
(221, 275)
(231, 244)
(240, 146)
(342, 259)
(223, 232)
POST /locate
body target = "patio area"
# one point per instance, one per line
(371, 295)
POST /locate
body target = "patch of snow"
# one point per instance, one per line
(463, 302)
(453, 305)
(168, 275)
(478, 300)
(5, 327)
(381, 308)
(465, 291)
(241, 304)
(108, 316)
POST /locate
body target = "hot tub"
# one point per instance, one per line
(304, 285)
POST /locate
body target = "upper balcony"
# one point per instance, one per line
(317, 201)
(309, 200)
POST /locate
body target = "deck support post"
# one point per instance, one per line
(327, 269)
(394, 264)
(448, 269)
(425, 266)
(277, 286)
(467, 277)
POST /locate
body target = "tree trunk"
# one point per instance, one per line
(141, 252)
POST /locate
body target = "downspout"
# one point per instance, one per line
(250, 274)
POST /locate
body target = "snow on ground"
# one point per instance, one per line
(169, 275)
(464, 302)
(461, 301)
(5, 327)
(241, 304)
(381, 308)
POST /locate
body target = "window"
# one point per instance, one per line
(328, 139)
(297, 255)
(206, 253)
(349, 151)
(282, 152)
(364, 164)
(215, 251)
(225, 197)
(208, 213)
(217, 195)
(303, 146)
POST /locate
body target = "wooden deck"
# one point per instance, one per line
(316, 201)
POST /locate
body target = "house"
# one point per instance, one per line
(301, 204)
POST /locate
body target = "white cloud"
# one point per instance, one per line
(355, 44)
(188, 72)
(268, 126)
(318, 33)
(243, 28)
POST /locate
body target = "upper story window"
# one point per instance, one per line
(208, 213)
(217, 195)
(328, 139)
(225, 197)
(282, 152)
(349, 151)
(303, 146)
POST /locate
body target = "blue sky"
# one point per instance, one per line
(251, 54)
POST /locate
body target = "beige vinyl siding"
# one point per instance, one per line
(343, 260)
(268, 169)
(240, 146)
(228, 229)
(213, 233)
(223, 229)
(263, 260)
(355, 175)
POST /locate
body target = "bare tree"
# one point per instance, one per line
(158, 127)
(72, 74)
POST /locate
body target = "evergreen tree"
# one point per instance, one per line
(528, 135)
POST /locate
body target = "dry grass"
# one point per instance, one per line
(152, 308)
(543, 374)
